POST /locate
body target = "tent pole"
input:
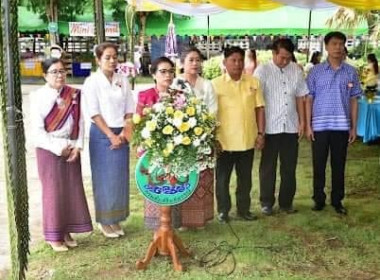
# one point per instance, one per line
(208, 37)
(308, 37)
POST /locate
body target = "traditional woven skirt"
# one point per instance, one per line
(110, 177)
(199, 208)
(152, 214)
(64, 205)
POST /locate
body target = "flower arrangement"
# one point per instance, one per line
(369, 82)
(127, 69)
(177, 132)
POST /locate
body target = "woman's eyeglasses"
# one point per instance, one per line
(166, 71)
(57, 72)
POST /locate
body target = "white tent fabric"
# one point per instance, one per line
(308, 4)
(187, 9)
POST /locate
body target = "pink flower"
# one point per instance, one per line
(179, 101)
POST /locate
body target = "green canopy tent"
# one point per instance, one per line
(287, 20)
(31, 22)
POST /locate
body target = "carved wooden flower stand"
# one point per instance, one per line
(165, 242)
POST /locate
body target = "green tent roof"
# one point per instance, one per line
(30, 22)
(286, 20)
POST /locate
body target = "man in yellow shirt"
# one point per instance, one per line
(241, 130)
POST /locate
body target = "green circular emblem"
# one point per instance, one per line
(53, 27)
(161, 189)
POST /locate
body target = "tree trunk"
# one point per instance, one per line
(373, 28)
(53, 17)
(99, 21)
(143, 17)
(14, 139)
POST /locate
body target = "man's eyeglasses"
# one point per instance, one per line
(166, 71)
(57, 72)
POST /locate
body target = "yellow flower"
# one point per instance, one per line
(198, 130)
(190, 111)
(146, 110)
(184, 127)
(178, 114)
(194, 100)
(186, 140)
(136, 118)
(170, 147)
(204, 117)
(151, 125)
(167, 130)
(166, 152)
(148, 142)
(169, 110)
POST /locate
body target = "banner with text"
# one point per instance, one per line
(87, 29)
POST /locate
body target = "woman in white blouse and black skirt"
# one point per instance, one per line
(109, 104)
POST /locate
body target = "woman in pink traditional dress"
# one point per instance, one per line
(199, 208)
(162, 70)
(58, 136)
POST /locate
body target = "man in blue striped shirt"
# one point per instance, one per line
(331, 115)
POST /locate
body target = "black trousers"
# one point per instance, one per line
(285, 146)
(336, 143)
(243, 162)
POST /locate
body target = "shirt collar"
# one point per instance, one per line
(104, 79)
(228, 78)
(327, 65)
(280, 69)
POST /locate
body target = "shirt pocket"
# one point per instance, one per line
(225, 101)
(346, 85)
(249, 96)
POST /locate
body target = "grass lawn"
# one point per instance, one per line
(306, 245)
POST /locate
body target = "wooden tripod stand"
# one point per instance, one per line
(165, 242)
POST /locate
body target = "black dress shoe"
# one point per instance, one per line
(318, 207)
(340, 210)
(266, 210)
(248, 216)
(223, 218)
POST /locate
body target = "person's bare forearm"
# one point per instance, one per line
(354, 112)
(308, 110)
(260, 119)
(101, 124)
(301, 110)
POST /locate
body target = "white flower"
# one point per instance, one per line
(204, 135)
(159, 107)
(208, 150)
(192, 122)
(178, 139)
(196, 142)
(177, 122)
(145, 133)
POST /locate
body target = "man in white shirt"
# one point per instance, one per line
(284, 89)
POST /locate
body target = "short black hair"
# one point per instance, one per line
(283, 43)
(158, 61)
(336, 35)
(231, 50)
(49, 62)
